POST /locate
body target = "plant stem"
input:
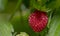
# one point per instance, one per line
(14, 11)
(15, 34)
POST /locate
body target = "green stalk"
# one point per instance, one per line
(14, 11)
(15, 34)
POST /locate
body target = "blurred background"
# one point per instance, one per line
(16, 12)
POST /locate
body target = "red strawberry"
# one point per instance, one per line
(38, 20)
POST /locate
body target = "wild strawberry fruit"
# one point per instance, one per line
(38, 20)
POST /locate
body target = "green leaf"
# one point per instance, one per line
(6, 29)
(57, 3)
(38, 4)
(34, 4)
(44, 32)
(55, 24)
(52, 4)
(20, 26)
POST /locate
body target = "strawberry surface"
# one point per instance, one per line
(38, 20)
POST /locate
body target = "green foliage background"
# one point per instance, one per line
(14, 16)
